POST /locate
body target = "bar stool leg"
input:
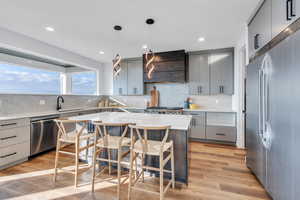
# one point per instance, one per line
(173, 166)
(143, 174)
(76, 161)
(109, 163)
(94, 169)
(56, 159)
(119, 171)
(130, 174)
(161, 176)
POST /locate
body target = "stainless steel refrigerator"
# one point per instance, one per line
(273, 119)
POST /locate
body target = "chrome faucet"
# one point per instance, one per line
(59, 101)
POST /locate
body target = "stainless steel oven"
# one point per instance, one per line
(43, 134)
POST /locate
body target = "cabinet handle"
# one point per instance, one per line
(7, 138)
(256, 41)
(221, 89)
(221, 134)
(199, 89)
(10, 124)
(288, 4)
(11, 154)
(293, 7)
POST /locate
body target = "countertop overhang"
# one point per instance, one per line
(177, 122)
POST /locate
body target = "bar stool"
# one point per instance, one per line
(74, 136)
(144, 146)
(107, 142)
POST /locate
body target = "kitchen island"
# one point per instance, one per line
(180, 126)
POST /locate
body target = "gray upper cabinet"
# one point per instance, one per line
(222, 72)
(135, 85)
(260, 28)
(130, 79)
(120, 81)
(198, 74)
(284, 12)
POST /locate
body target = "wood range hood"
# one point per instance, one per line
(170, 67)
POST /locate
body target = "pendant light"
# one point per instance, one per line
(117, 59)
(149, 55)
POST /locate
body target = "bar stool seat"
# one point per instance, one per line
(71, 137)
(153, 147)
(113, 142)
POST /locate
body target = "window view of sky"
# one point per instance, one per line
(26, 80)
(84, 83)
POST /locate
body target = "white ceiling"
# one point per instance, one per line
(86, 26)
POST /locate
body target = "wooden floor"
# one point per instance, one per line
(217, 172)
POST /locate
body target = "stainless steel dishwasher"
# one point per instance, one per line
(43, 134)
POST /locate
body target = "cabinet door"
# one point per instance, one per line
(260, 30)
(120, 81)
(221, 73)
(284, 12)
(135, 84)
(198, 74)
(198, 126)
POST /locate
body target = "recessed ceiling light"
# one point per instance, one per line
(201, 39)
(101, 52)
(50, 29)
(144, 46)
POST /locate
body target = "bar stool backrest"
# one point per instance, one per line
(101, 131)
(144, 138)
(62, 132)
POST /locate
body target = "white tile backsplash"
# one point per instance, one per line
(174, 94)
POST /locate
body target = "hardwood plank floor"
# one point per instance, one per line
(217, 172)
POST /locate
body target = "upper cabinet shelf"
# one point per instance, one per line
(273, 17)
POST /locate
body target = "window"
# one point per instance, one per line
(25, 80)
(84, 83)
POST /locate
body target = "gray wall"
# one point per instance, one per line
(22, 103)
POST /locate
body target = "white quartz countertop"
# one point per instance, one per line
(41, 114)
(193, 110)
(177, 122)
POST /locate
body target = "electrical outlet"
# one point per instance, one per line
(42, 102)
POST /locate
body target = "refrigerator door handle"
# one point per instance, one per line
(260, 101)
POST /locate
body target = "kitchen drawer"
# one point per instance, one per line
(14, 135)
(221, 133)
(8, 124)
(14, 153)
(221, 119)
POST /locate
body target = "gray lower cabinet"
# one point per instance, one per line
(135, 84)
(222, 72)
(198, 126)
(213, 126)
(259, 29)
(198, 74)
(14, 142)
(221, 133)
(284, 12)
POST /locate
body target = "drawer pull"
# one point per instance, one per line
(10, 124)
(221, 134)
(11, 154)
(7, 138)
